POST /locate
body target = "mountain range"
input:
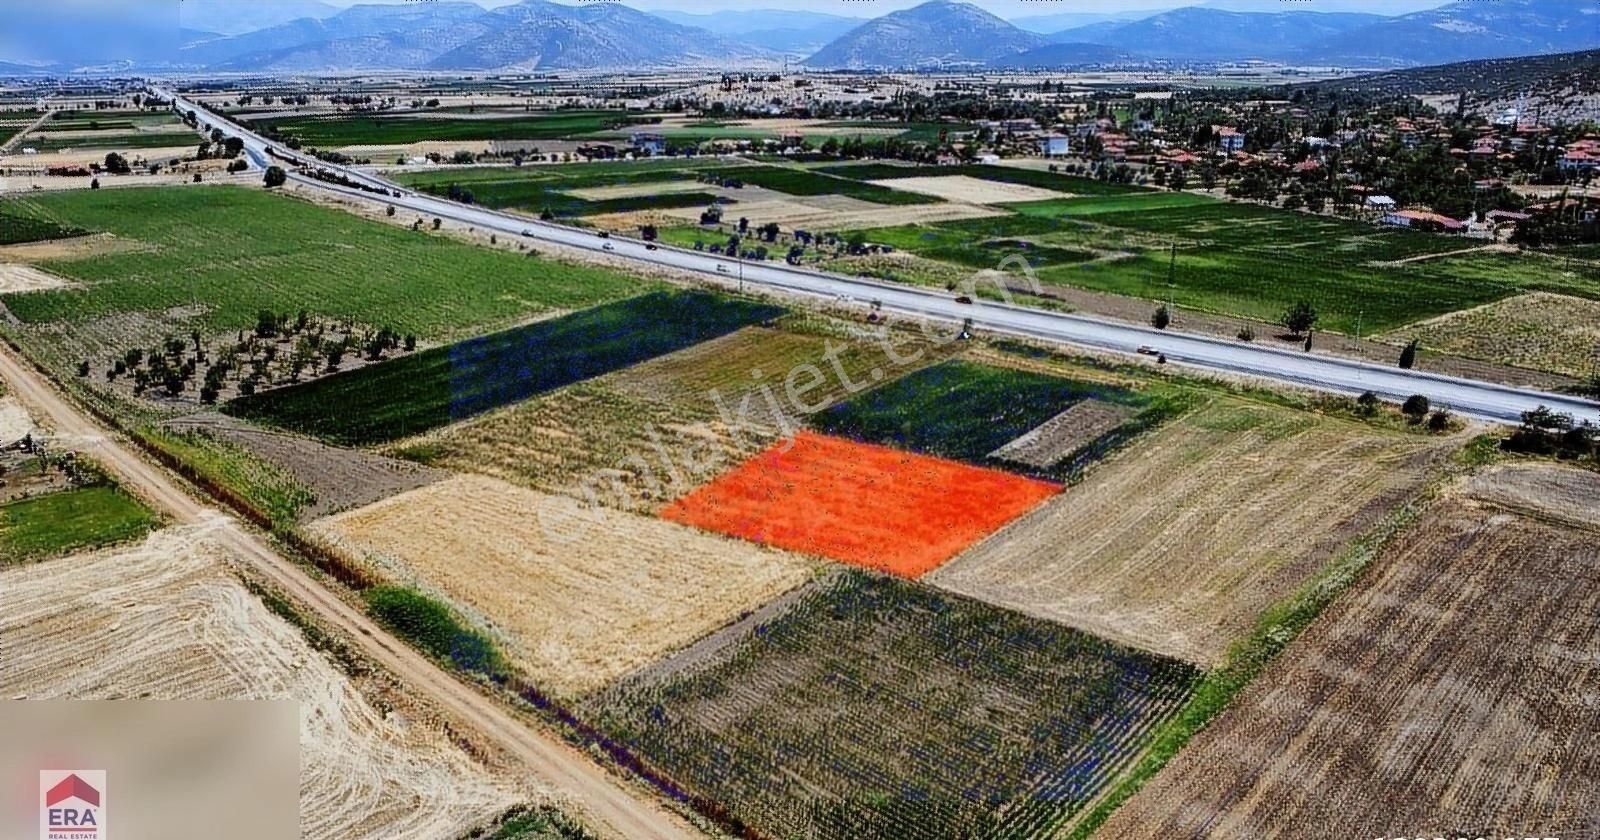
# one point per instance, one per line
(455, 35)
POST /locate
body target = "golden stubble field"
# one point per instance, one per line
(166, 620)
(1453, 691)
(579, 596)
(1180, 542)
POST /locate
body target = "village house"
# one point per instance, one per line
(1422, 220)
(1055, 145)
(648, 143)
(1229, 139)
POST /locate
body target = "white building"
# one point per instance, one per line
(1055, 145)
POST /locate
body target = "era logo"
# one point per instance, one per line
(72, 805)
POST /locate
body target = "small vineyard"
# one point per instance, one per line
(874, 707)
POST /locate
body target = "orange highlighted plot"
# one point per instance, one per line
(861, 504)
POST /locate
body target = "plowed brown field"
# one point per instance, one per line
(1453, 692)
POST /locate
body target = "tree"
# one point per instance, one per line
(1439, 421)
(1161, 318)
(1299, 318)
(83, 368)
(95, 184)
(1367, 403)
(389, 212)
(234, 146)
(1308, 342)
(437, 222)
(1415, 408)
(1408, 356)
(648, 233)
(275, 177)
(117, 164)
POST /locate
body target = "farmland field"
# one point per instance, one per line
(1000, 174)
(965, 411)
(334, 131)
(1451, 691)
(646, 434)
(70, 520)
(1549, 332)
(578, 596)
(1179, 543)
(21, 227)
(1246, 260)
(166, 620)
(537, 189)
(432, 388)
(873, 707)
(230, 252)
(811, 182)
(128, 141)
(870, 506)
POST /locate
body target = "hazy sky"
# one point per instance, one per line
(1010, 8)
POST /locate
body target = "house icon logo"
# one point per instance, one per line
(72, 805)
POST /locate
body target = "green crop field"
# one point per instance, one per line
(535, 189)
(230, 252)
(333, 131)
(1243, 259)
(17, 228)
(812, 182)
(878, 708)
(920, 132)
(70, 520)
(113, 141)
(961, 410)
(413, 394)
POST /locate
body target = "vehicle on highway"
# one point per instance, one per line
(604, 234)
(722, 268)
(963, 299)
(527, 233)
(608, 247)
(651, 246)
(1147, 350)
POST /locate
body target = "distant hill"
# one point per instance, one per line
(293, 45)
(941, 31)
(1058, 56)
(1047, 24)
(543, 35)
(1467, 30)
(236, 17)
(780, 30)
(1201, 34)
(1555, 88)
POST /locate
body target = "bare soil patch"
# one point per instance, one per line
(964, 188)
(1453, 692)
(78, 247)
(167, 620)
(1177, 544)
(25, 278)
(1555, 493)
(341, 478)
(1065, 433)
(578, 596)
(15, 422)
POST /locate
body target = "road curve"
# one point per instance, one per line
(1481, 400)
(602, 798)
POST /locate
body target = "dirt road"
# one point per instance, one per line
(602, 800)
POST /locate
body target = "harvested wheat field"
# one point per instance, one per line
(1541, 491)
(1177, 544)
(166, 620)
(870, 506)
(964, 188)
(577, 601)
(1452, 692)
(1539, 330)
(1053, 440)
(650, 433)
(596, 442)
